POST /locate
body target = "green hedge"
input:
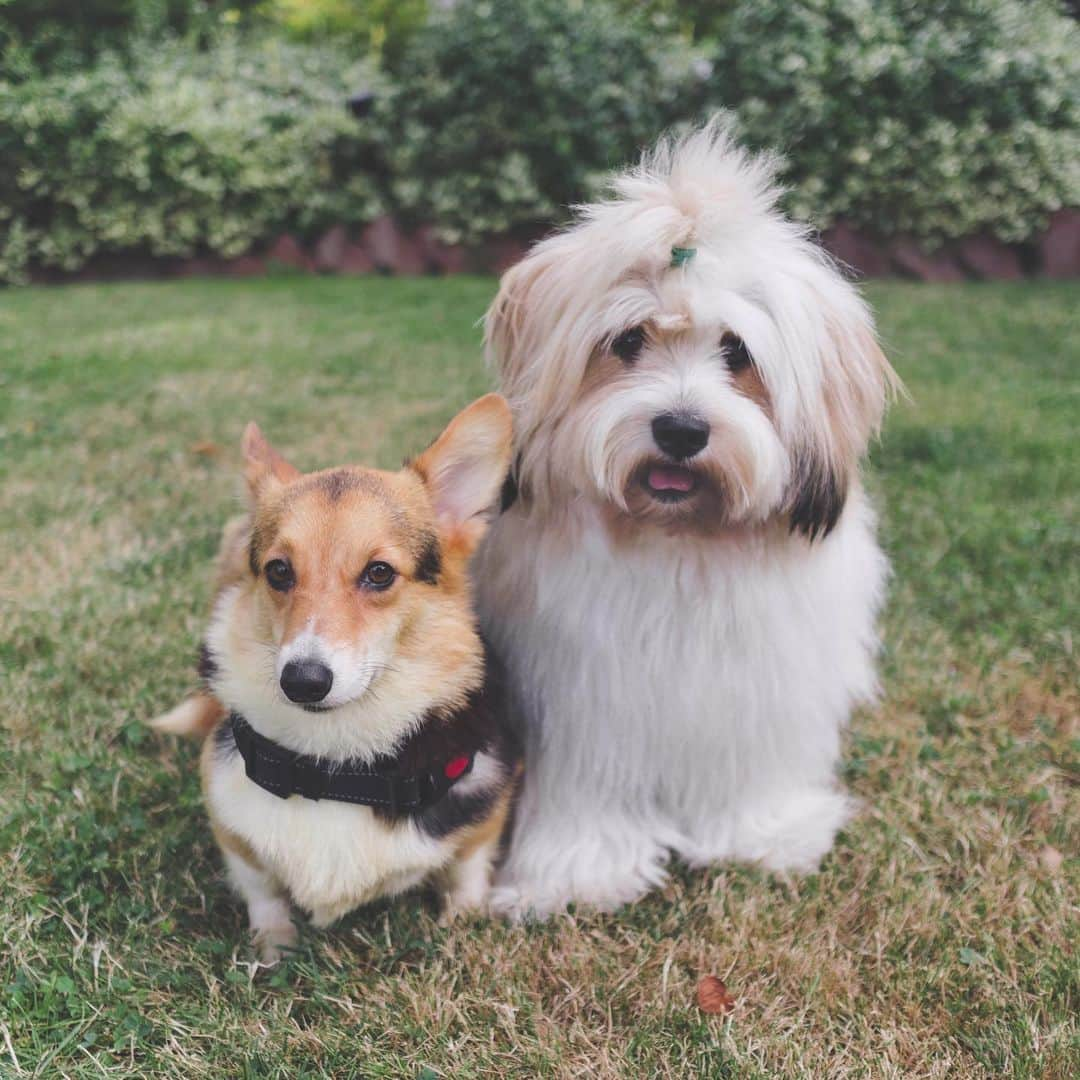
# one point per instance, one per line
(935, 119)
(65, 35)
(505, 111)
(175, 152)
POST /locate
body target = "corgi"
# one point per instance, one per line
(356, 738)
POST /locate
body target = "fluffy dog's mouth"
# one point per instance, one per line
(668, 483)
(317, 707)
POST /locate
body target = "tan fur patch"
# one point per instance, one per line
(490, 829)
(748, 382)
(858, 384)
(235, 845)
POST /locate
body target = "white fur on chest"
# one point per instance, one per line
(674, 674)
(328, 854)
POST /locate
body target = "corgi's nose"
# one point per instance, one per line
(306, 681)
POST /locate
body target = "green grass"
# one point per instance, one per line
(940, 938)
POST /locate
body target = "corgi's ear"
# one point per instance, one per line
(465, 467)
(262, 463)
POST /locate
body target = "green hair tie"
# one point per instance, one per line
(680, 256)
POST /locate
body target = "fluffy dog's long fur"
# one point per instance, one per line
(687, 635)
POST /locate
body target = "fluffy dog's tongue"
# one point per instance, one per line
(670, 478)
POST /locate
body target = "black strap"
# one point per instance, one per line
(283, 773)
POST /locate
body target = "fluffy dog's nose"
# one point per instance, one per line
(306, 681)
(680, 435)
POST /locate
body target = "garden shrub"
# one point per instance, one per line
(505, 111)
(174, 152)
(694, 19)
(39, 36)
(936, 118)
(381, 28)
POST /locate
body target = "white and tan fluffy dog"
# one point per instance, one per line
(686, 585)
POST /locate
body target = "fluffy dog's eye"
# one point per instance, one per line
(628, 344)
(736, 354)
(378, 575)
(279, 575)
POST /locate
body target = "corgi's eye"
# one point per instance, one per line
(736, 354)
(627, 346)
(378, 575)
(279, 575)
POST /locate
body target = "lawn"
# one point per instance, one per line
(940, 939)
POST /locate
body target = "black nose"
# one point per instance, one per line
(680, 435)
(306, 681)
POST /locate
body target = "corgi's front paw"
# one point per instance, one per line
(468, 885)
(461, 907)
(272, 928)
(273, 940)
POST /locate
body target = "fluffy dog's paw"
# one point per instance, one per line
(796, 835)
(522, 903)
(594, 876)
(516, 905)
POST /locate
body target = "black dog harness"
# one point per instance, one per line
(381, 783)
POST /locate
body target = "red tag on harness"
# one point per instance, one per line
(455, 767)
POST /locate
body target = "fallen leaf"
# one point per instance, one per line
(206, 448)
(714, 997)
